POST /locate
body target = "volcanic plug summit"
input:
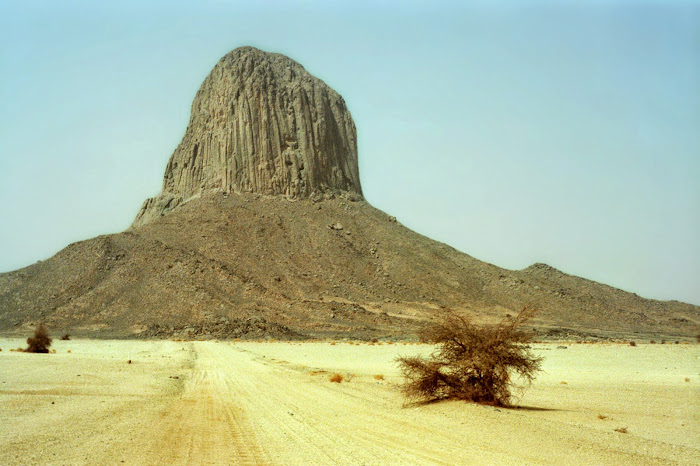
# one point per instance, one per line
(260, 123)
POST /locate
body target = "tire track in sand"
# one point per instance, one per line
(306, 421)
(204, 425)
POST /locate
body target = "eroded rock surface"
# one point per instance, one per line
(261, 123)
(233, 258)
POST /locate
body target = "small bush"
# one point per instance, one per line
(40, 342)
(336, 378)
(473, 363)
(633, 343)
(602, 417)
(65, 337)
(622, 430)
(379, 377)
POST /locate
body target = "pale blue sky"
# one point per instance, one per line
(563, 132)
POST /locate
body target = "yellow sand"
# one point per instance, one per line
(273, 403)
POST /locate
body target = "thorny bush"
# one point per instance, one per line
(471, 362)
(40, 342)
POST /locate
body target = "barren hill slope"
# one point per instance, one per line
(245, 265)
(261, 230)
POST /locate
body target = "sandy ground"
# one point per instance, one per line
(273, 403)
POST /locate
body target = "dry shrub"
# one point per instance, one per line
(336, 378)
(602, 417)
(687, 379)
(633, 343)
(65, 337)
(379, 377)
(473, 363)
(40, 342)
(622, 430)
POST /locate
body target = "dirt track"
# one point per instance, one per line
(272, 403)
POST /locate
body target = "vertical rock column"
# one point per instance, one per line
(261, 123)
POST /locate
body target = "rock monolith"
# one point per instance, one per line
(261, 123)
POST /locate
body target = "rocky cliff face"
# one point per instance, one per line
(261, 123)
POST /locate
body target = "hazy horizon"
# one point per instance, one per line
(517, 132)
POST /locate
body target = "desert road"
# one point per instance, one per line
(273, 403)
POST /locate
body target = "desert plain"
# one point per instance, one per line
(242, 402)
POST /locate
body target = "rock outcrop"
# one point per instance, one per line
(261, 123)
(233, 258)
